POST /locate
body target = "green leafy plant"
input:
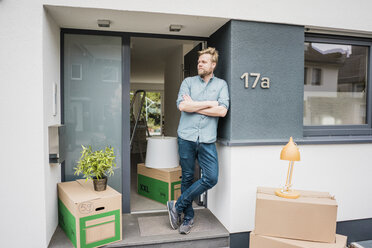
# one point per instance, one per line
(96, 164)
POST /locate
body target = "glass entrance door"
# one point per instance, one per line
(92, 102)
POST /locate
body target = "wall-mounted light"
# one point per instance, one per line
(103, 23)
(175, 28)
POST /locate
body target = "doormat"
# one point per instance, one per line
(159, 225)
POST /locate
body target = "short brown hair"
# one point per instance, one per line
(212, 51)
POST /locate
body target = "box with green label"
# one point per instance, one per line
(89, 218)
(160, 185)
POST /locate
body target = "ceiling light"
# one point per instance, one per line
(175, 28)
(103, 23)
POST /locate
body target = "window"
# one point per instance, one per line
(336, 84)
(316, 76)
(76, 72)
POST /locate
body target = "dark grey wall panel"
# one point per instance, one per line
(239, 240)
(276, 51)
(355, 230)
(221, 40)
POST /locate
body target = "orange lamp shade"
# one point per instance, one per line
(290, 151)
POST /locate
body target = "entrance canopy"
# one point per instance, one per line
(133, 21)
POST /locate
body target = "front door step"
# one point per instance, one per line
(153, 230)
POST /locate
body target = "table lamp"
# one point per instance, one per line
(291, 153)
(162, 152)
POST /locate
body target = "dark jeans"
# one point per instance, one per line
(206, 154)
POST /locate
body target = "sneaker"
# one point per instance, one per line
(174, 217)
(186, 226)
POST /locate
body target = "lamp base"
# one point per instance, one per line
(290, 194)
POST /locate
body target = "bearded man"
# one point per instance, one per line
(202, 100)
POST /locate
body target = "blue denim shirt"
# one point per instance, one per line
(194, 125)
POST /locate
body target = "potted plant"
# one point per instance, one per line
(96, 165)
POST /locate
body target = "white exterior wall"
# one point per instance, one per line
(220, 199)
(51, 76)
(342, 170)
(22, 134)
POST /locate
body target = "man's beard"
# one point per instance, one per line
(202, 73)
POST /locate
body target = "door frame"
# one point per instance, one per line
(125, 76)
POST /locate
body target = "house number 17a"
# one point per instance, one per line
(265, 81)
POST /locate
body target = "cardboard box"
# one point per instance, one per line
(89, 218)
(260, 241)
(160, 185)
(310, 217)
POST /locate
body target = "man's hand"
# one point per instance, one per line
(189, 105)
(187, 98)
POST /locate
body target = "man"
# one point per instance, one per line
(202, 100)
